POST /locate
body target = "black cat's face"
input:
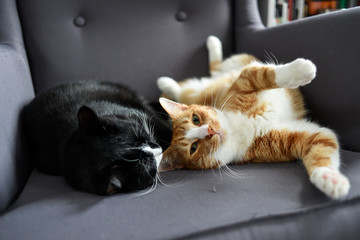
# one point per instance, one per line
(112, 154)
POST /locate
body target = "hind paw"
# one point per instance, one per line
(214, 47)
(169, 87)
(330, 181)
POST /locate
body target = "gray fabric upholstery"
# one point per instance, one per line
(192, 204)
(15, 91)
(134, 42)
(103, 47)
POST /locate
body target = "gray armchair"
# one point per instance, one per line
(44, 43)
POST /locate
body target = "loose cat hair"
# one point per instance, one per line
(102, 137)
(245, 112)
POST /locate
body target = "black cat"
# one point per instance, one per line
(102, 137)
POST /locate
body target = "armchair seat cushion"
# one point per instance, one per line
(262, 200)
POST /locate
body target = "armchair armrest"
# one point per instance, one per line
(15, 91)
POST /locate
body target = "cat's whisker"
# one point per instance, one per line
(224, 103)
(130, 160)
(228, 102)
(111, 113)
(214, 103)
(276, 60)
(145, 192)
(267, 56)
(174, 183)
(230, 172)
(134, 128)
(212, 169)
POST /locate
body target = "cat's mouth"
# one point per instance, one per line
(220, 134)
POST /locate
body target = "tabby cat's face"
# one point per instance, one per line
(197, 136)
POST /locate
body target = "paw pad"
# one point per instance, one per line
(330, 181)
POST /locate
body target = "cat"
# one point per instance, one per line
(248, 111)
(101, 136)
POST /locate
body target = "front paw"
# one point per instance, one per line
(297, 73)
(169, 87)
(330, 181)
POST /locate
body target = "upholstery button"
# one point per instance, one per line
(79, 21)
(181, 16)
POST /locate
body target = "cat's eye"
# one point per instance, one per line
(195, 119)
(193, 147)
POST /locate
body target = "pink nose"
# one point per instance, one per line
(211, 131)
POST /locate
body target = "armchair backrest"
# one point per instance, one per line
(129, 41)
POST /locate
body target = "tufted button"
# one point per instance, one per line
(181, 16)
(79, 21)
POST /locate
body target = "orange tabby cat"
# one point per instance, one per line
(245, 112)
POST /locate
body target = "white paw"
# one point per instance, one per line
(330, 181)
(297, 73)
(169, 86)
(214, 47)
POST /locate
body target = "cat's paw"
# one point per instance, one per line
(214, 47)
(169, 87)
(295, 74)
(330, 181)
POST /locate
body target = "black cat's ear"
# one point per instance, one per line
(88, 120)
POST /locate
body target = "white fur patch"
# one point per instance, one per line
(116, 182)
(170, 87)
(297, 73)
(214, 47)
(197, 132)
(240, 132)
(330, 181)
(156, 152)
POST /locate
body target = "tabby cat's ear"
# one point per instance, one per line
(88, 120)
(171, 107)
(169, 162)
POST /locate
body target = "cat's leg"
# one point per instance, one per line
(215, 53)
(317, 147)
(204, 91)
(258, 76)
(169, 87)
(322, 161)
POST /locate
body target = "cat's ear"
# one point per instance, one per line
(172, 108)
(169, 162)
(88, 120)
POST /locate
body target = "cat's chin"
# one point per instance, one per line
(222, 135)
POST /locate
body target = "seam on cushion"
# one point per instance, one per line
(242, 224)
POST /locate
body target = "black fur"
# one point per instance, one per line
(90, 132)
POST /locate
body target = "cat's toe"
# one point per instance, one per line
(169, 87)
(330, 181)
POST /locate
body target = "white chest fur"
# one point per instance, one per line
(241, 130)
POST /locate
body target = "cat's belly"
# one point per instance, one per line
(277, 106)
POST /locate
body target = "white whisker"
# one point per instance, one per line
(230, 172)
(175, 183)
(111, 112)
(145, 192)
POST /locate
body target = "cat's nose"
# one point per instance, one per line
(211, 132)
